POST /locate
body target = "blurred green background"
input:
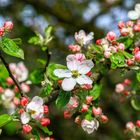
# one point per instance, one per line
(67, 17)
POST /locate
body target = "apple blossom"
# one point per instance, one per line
(134, 14)
(34, 110)
(25, 88)
(138, 123)
(121, 24)
(9, 81)
(8, 25)
(111, 36)
(124, 31)
(8, 94)
(90, 126)
(67, 114)
(23, 101)
(82, 38)
(119, 88)
(121, 46)
(130, 62)
(130, 126)
(1, 31)
(77, 57)
(84, 108)
(1, 89)
(104, 118)
(137, 56)
(76, 73)
(89, 99)
(46, 109)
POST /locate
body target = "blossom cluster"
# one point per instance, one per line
(9, 92)
(7, 26)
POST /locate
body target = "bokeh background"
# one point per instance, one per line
(67, 17)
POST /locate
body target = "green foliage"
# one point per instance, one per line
(42, 41)
(51, 68)
(95, 92)
(63, 99)
(117, 60)
(138, 76)
(46, 130)
(47, 89)
(4, 119)
(36, 76)
(135, 102)
(11, 48)
(36, 134)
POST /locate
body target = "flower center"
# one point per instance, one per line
(32, 112)
(75, 73)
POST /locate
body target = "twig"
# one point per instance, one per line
(11, 75)
(48, 59)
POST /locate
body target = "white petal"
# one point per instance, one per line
(37, 100)
(72, 65)
(85, 66)
(133, 15)
(38, 112)
(68, 84)
(61, 73)
(25, 117)
(83, 79)
(137, 8)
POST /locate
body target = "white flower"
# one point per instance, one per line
(90, 126)
(34, 110)
(8, 95)
(76, 73)
(82, 38)
(19, 71)
(134, 14)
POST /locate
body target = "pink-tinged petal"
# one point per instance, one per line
(85, 66)
(70, 57)
(37, 100)
(80, 57)
(25, 118)
(72, 65)
(68, 84)
(83, 79)
(61, 73)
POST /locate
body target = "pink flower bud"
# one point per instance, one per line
(1, 31)
(121, 47)
(16, 89)
(130, 126)
(84, 108)
(26, 128)
(124, 31)
(104, 118)
(137, 28)
(78, 120)
(119, 88)
(138, 123)
(129, 23)
(67, 114)
(111, 36)
(74, 48)
(60, 82)
(126, 92)
(127, 82)
(46, 109)
(96, 111)
(137, 56)
(8, 25)
(9, 81)
(129, 62)
(45, 121)
(89, 99)
(25, 88)
(20, 111)
(137, 49)
(121, 24)
(1, 89)
(16, 101)
(99, 41)
(23, 101)
(86, 86)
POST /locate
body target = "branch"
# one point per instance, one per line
(11, 75)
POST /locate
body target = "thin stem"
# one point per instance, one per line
(48, 59)
(11, 75)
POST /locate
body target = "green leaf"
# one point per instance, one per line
(138, 76)
(95, 92)
(135, 102)
(37, 76)
(36, 134)
(46, 130)
(3, 72)
(117, 60)
(127, 55)
(18, 41)
(48, 36)
(4, 119)
(46, 90)
(11, 48)
(51, 68)
(63, 99)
